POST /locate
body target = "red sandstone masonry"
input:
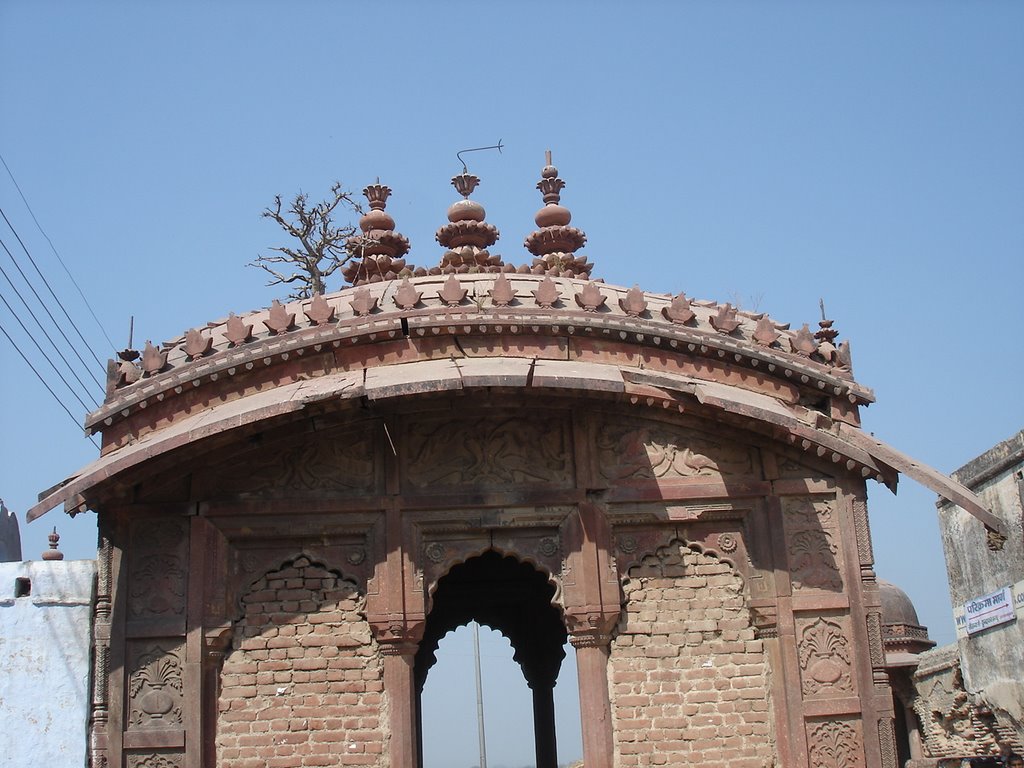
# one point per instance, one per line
(688, 679)
(303, 684)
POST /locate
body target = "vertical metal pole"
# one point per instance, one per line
(479, 697)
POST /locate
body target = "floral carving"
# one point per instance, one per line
(834, 744)
(824, 658)
(196, 344)
(727, 543)
(679, 311)
(280, 319)
(237, 332)
(406, 297)
(651, 452)
(548, 546)
(324, 465)
(765, 333)
(487, 451)
(502, 294)
(547, 294)
(154, 761)
(590, 299)
(435, 551)
(155, 688)
(812, 551)
(452, 293)
(633, 303)
(319, 312)
(362, 302)
(725, 320)
(158, 585)
(153, 359)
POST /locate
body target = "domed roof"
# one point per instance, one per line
(902, 633)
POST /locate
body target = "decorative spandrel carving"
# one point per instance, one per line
(158, 570)
(824, 659)
(510, 451)
(155, 760)
(834, 744)
(812, 545)
(339, 464)
(155, 685)
(646, 452)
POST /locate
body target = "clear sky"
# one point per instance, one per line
(866, 153)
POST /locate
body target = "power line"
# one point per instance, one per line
(59, 304)
(50, 314)
(33, 340)
(48, 338)
(43, 382)
(55, 253)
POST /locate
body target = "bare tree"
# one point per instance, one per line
(321, 243)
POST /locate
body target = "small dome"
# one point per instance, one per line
(902, 632)
(897, 608)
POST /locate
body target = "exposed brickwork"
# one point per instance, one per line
(688, 679)
(303, 684)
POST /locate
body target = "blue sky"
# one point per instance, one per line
(772, 153)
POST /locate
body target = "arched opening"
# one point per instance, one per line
(514, 599)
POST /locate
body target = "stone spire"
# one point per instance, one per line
(556, 243)
(467, 235)
(377, 252)
(53, 553)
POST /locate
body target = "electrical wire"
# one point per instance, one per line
(55, 253)
(50, 314)
(43, 381)
(59, 304)
(33, 340)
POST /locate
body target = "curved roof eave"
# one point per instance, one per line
(807, 428)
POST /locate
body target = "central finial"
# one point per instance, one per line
(465, 183)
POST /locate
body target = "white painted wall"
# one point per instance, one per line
(45, 641)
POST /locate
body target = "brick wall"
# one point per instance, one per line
(688, 680)
(303, 683)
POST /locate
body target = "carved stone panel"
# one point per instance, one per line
(812, 542)
(339, 463)
(509, 451)
(155, 760)
(825, 658)
(155, 684)
(647, 451)
(158, 569)
(835, 744)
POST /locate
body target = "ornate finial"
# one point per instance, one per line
(377, 252)
(555, 243)
(467, 235)
(53, 553)
(826, 334)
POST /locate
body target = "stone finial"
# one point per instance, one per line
(376, 253)
(53, 553)
(466, 235)
(826, 336)
(555, 242)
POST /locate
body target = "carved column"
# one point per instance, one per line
(595, 706)
(400, 687)
(101, 656)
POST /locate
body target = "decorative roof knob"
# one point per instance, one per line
(53, 553)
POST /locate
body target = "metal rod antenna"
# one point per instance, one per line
(479, 697)
(458, 155)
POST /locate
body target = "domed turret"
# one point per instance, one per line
(901, 629)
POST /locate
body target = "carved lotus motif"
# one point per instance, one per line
(280, 319)
(803, 342)
(633, 303)
(547, 294)
(196, 344)
(679, 311)
(765, 333)
(319, 312)
(153, 360)
(590, 299)
(362, 302)
(237, 332)
(502, 294)
(725, 320)
(452, 293)
(406, 297)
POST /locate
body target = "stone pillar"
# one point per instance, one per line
(545, 743)
(595, 706)
(400, 688)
